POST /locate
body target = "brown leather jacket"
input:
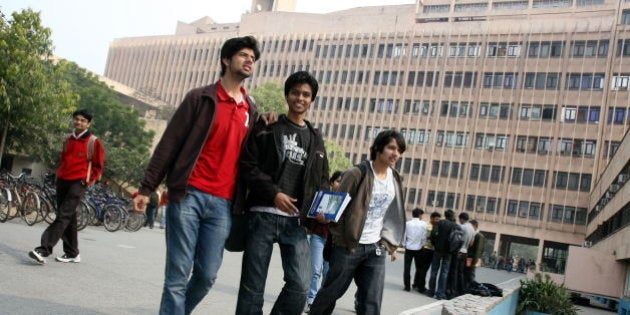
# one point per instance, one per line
(182, 141)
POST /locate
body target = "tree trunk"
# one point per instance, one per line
(3, 141)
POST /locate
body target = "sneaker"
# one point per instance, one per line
(66, 259)
(37, 256)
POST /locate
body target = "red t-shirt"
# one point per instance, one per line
(217, 167)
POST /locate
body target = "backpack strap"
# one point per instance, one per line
(90, 154)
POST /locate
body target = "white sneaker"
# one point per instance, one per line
(66, 259)
(37, 256)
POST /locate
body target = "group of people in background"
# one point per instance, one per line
(431, 246)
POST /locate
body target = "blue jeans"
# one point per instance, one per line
(265, 229)
(319, 265)
(197, 228)
(442, 263)
(365, 267)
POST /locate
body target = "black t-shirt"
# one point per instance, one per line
(295, 147)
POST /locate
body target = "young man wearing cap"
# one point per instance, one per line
(81, 164)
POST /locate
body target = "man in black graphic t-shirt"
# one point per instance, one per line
(284, 165)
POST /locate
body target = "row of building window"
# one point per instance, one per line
(491, 205)
(512, 5)
(467, 79)
(538, 49)
(496, 174)
(568, 113)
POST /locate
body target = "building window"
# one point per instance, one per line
(464, 49)
(436, 8)
(590, 48)
(503, 50)
(455, 109)
(620, 82)
(421, 78)
(545, 49)
(585, 81)
(451, 139)
(500, 80)
(610, 148)
(460, 79)
(623, 47)
(551, 3)
(531, 144)
(490, 141)
(542, 81)
(537, 112)
(517, 5)
(495, 110)
(424, 108)
(625, 17)
(581, 114)
(471, 7)
(529, 177)
(572, 181)
(618, 116)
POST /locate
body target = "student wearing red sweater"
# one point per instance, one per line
(76, 171)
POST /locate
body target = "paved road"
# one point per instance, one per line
(122, 273)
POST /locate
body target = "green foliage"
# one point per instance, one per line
(545, 296)
(337, 160)
(126, 142)
(34, 97)
(270, 97)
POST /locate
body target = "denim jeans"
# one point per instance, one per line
(442, 263)
(197, 228)
(319, 265)
(265, 229)
(368, 270)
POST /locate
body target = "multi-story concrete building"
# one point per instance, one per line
(511, 109)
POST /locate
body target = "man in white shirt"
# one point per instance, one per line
(415, 238)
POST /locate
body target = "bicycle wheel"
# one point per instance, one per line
(45, 209)
(14, 205)
(83, 216)
(51, 215)
(29, 211)
(4, 204)
(112, 218)
(135, 221)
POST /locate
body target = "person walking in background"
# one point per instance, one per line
(415, 238)
(162, 208)
(152, 206)
(82, 163)
(198, 154)
(475, 252)
(284, 165)
(441, 255)
(372, 224)
(426, 253)
(318, 237)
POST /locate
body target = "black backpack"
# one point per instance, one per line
(456, 239)
(484, 289)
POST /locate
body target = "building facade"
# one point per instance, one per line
(511, 109)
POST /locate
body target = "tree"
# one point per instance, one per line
(270, 97)
(34, 98)
(337, 160)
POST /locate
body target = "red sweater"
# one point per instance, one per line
(74, 162)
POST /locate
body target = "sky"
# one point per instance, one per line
(83, 29)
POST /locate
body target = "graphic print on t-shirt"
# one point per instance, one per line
(292, 150)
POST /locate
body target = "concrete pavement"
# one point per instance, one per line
(122, 273)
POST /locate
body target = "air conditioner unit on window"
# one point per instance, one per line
(587, 244)
(609, 195)
(622, 178)
(604, 201)
(597, 208)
